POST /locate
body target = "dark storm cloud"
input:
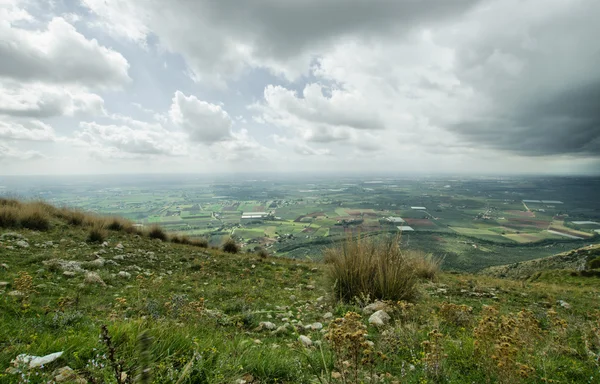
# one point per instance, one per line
(568, 123)
(539, 80)
(283, 28)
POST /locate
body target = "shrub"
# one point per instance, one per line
(200, 243)
(230, 246)
(594, 263)
(115, 224)
(34, 217)
(96, 235)
(262, 253)
(9, 216)
(379, 269)
(157, 232)
(175, 239)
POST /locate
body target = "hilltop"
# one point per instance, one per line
(172, 312)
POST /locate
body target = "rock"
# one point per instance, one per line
(119, 257)
(305, 340)
(124, 275)
(119, 246)
(69, 274)
(285, 328)
(374, 307)
(328, 315)
(11, 236)
(293, 297)
(379, 318)
(16, 294)
(267, 325)
(320, 299)
(105, 244)
(4, 284)
(316, 326)
(563, 304)
(98, 263)
(4, 266)
(94, 278)
(35, 361)
(310, 287)
(67, 375)
(22, 244)
(314, 269)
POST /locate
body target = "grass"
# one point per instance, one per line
(230, 246)
(193, 314)
(378, 269)
(157, 232)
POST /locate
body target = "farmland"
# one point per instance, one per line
(470, 222)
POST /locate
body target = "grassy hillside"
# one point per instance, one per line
(129, 308)
(583, 260)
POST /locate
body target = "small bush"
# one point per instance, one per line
(200, 243)
(262, 253)
(230, 246)
(379, 269)
(96, 235)
(35, 218)
(594, 263)
(9, 216)
(175, 239)
(184, 240)
(157, 232)
(115, 224)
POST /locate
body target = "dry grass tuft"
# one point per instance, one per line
(157, 232)
(230, 246)
(378, 269)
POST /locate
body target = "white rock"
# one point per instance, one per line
(379, 318)
(119, 257)
(328, 315)
(374, 307)
(4, 266)
(36, 361)
(119, 246)
(105, 244)
(564, 304)
(22, 244)
(94, 278)
(69, 274)
(267, 325)
(305, 340)
(124, 275)
(16, 293)
(316, 326)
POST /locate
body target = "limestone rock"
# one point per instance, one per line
(305, 340)
(374, 307)
(379, 318)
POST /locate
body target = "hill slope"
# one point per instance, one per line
(575, 260)
(178, 313)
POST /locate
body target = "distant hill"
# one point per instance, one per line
(576, 260)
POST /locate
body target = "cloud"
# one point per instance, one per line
(11, 154)
(282, 36)
(204, 122)
(26, 130)
(59, 54)
(40, 100)
(137, 139)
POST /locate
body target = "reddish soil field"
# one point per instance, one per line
(419, 222)
(259, 208)
(516, 223)
(316, 214)
(522, 213)
(308, 230)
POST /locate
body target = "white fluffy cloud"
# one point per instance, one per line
(40, 100)
(59, 54)
(204, 122)
(34, 130)
(10, 154)
(132, 140)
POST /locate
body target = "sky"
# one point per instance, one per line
(181, 86)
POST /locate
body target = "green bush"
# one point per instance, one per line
(594, 263)
(200, 243)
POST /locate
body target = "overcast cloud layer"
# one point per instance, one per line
(464, 86)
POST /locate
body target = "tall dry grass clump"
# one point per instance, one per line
(377, 268)
(33, 215)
